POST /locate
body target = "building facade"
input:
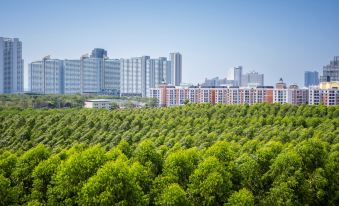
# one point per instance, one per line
(11, 66)
(46, 76)
(98, 53)
(217, 82)
(252, 79)
(238, 76)
(72, 76)
(110, 83)
(331, 71)
(139, 74)
(176, 68)
(84, 76)
(311, 78)
(98, 104)
(133, 76)
(292, 95)
(168, 95)
(327, 97)
(97, 74)
(157, 72)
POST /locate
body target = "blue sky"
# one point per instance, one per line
(274, 37)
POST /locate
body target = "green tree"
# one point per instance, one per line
(22, 174)
(210, 183)
(181, 164)
(7, 163)
(112, 185)
(7, 193)
(147, 155)
(242, 197)
(73, 173)
(42, 176)
(173, 195)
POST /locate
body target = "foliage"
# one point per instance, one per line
(191, 155)
(32, 100)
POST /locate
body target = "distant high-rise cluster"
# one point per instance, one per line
(214, 82)
(97, 74)
(250, 79)
(11, 65)
(145, 77)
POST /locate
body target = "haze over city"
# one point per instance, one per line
(276, 38)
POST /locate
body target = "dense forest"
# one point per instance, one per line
(265, 154)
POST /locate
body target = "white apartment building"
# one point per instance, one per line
(11, 66)
(72, 76)
(133, 76)
(174, 96)
(46, 76)
(85, 75)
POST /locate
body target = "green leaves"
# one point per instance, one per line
(241, 198)
(73, 173)
(173, 195)
(114, 184)
(203, 154)
(210, 183)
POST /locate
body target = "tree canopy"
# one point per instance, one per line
(264, 154)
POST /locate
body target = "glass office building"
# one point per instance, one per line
(311, 78)
(331, 71)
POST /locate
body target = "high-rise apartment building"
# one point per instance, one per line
(111, 77)
(11, 65)
(72, 76)
(311, 78)
(157, 72)
(100, 75)
(46, 76)
(331, 71)
(252, 79)
(84, 76)
(238, 76)
(92, 75)
(133, 76)
(176, 68)
(139, 74)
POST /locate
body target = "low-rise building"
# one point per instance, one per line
(99, 104)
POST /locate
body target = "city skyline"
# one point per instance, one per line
(279, 39)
